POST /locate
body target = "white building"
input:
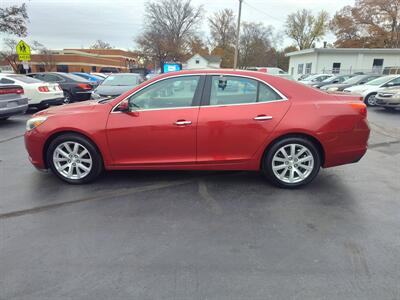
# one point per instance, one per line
(198, 61)
(342, 60)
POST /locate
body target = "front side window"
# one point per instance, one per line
(169, 93)
(51, 78)
(228, 90)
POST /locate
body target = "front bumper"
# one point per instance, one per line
(387, 102)
(34, 144)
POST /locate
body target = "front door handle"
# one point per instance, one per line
(183, 123)
(263, 118)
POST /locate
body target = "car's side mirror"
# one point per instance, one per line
(123, 106)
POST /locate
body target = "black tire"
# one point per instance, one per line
(272, 150)
(67, 97)
(368, 100)
(97, 161)
(4, 118)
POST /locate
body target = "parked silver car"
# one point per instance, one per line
(388, 98)
(12, 101)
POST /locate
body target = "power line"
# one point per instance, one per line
(262, 12)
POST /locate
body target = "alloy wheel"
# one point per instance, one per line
(293, 163)
(371, 101)
(72, 160)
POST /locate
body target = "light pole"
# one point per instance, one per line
(235, 61)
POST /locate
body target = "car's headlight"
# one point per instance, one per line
(396, 96)
(95, 96)
(35, 122)
(333, 89)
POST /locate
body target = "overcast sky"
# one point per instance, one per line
(62, 24)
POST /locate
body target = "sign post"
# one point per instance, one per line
(24, 54)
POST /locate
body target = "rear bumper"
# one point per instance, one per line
(347, 147)
(48, 102)
(20, 108)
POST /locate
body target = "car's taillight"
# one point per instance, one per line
(85, 86)
(43, 89)
(360, 107)
(11, 91)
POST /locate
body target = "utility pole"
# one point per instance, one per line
(235, 61)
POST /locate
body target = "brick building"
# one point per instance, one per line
(83, 60)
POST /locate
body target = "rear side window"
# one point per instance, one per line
(239, 90)
(6, 81)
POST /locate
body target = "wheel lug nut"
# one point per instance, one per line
(289, 168)
(295, 166)
(73, 164)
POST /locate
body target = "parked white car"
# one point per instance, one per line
(40, 94)
(314, 79)
(369, 90)
(272, 71)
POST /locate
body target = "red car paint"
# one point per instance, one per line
(219, 137)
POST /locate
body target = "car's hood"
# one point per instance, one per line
(106, 90)
(69, 108)
(361, 88)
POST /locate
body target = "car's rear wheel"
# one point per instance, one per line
(67, 97)
(370, 100)
(292, 162)
(74, 159)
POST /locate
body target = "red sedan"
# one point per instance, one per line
(203, 120)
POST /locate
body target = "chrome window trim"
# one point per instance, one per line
(284, 98)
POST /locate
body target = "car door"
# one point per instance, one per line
(161, 127)
(236, 118)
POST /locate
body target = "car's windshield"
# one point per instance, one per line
(121, 80)
(381, 80)
(330, 79)
(24, 79)
(354, 80)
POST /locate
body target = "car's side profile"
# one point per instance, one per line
(203, 120)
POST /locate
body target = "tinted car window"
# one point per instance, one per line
(169, 93)
(75, 77)
(232, 90)
(6, 81)
(25, 79)
(50, 78)
(267, 94)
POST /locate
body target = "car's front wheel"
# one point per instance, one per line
(370, 100)
(292, 162)
(74, 159)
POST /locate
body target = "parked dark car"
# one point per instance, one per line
(356, 80)
(12, 101)
(92, 78)
(75, 88)
(332, 80)
(109, 70)
(117, 84)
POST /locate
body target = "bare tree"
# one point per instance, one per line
(45, 56)
(99, 44)
(305, 28)
(223, 35)
(255, 46)
(13, 20)
(8, 54)
(169, 27)
(223, 28)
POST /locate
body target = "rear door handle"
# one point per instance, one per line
(263, 118)
(183, 123)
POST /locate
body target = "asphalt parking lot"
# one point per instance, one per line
(202, 235)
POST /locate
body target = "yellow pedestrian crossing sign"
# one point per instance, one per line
(23, 51)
